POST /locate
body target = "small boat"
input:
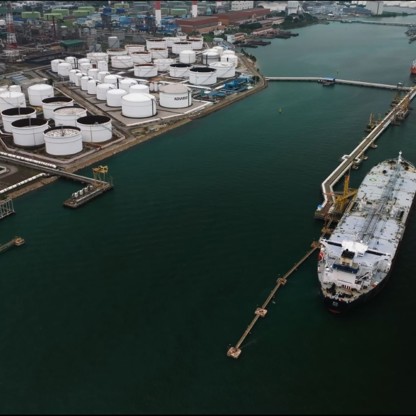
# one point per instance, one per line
(413, 68)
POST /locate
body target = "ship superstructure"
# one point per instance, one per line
(355, 261)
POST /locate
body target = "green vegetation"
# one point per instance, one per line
(292, 22)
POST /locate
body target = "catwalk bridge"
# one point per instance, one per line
(396, 87)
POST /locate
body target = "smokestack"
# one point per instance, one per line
(194, 8)
(158, 14)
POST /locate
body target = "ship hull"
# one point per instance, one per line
(338, 306)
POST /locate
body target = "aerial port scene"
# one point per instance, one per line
(200, 201)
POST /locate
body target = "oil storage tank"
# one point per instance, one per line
(159, 53)
(63, 140)
(11, 99)
(163, 65)
(16, 113)
(179, 70)
(155, 43)
(139, 88)
(55, 63)
(202, 75)
(145, 70)
(126, 83)
(102, 91)
(187, 56)
(38, 92)
(122, 61)
(141, 57)
(209, 56)
(63, 69)
(138, 105)
(196, 43)
(178, 47)
(49, 104)
(114, 97)
(92, 86)
(224, 69)
(175, 96)
(95, 129)
(28, 132)
(68, 115)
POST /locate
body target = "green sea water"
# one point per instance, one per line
(129, 304)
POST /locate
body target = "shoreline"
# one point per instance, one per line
(131, 140)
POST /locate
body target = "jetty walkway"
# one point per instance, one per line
(342, 168)
(344, 82)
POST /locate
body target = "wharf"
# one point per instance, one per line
(87, 194)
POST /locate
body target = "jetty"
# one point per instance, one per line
(16, 241)
(395, 115)
(261, 312)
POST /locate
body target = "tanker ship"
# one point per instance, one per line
(355, 261)
(413, 68)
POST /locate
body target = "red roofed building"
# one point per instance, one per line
(205, 24)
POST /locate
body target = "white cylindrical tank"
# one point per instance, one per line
(187, 57)
(95, 129)
(38, 92)
(102, 75)
(16, 113)
(224, 69)
(63, 140)
(138, 105)
(72, 73)
(102, 66)
(102, 91)
(92, 86)
(49, 104)
(15, 88)
(11, 99)
(210, 56)
(139, 88)
(114, 97)
(153, 86)
(93, 73)
(219, 49)
(159, 53)
(116, 52)
(83, 61)
(67, 116)
(122, 61)
(84, 82)
(202, 75)
(170, 40)
(141, 57)
(163, 65)
(145, 70)
(155, 43)
(175, 96)
(84, 67)
(179, 70)
(112, 79)
(29, 131)
(126, 83)
(196, 43)
(230, 58)
(96, 57)
(134, 48)
(178, 47)
(113, 42)
(55, 63)
(64, 68)
(77, 78)
(71, 60)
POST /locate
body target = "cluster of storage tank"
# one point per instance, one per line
(72, 128)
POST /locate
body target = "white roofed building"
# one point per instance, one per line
(242, 5)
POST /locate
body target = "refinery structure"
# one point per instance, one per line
(69, 110)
